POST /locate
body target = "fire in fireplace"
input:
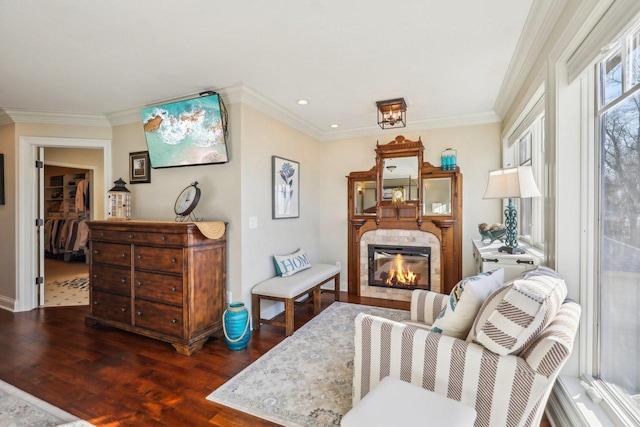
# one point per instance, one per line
(405, 267)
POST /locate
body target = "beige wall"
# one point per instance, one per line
(220, 186)
(8, 218)
(235, 191)
(263, 137)
(9, 139)
(478, 149)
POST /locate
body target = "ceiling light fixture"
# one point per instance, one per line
(391, 168)
(392, 113)
(335, 125)
(302, 102)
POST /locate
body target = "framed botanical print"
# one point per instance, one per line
(285, 178)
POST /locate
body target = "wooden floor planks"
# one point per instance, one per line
(114, 378)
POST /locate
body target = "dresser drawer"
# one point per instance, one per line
(111, 306)
(159, 317)
(155, 238)
(111, 253)
(158, 287)
(112, 279)
(159, 259)
(165, 239)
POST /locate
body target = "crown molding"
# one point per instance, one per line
(241, 93)
(415, 125)
(537, 28)
(238, 93)
(249, 96)
(47, 117)
(5, 119)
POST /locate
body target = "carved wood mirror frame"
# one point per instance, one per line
(399, 147)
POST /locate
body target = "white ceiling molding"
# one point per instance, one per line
(256, 100)
(4, 118)
(415, 125)
(241, 93)
(540, 22)
(46, 117)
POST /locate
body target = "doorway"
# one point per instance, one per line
(66, 196)
(28, 235)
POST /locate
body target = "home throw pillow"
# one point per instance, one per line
(515, 314)
(286, 265)
(464, 301)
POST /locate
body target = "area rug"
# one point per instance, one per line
(306, 380)
(20, 409)
(67, 292)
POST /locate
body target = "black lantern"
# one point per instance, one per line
(392, 113)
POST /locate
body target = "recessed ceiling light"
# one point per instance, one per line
(302, 102)
(335, 125)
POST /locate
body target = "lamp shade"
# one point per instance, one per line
(516, 183)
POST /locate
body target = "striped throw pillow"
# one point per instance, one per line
(515, 314)
(464, 301)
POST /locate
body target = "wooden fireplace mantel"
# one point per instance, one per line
(412, 206)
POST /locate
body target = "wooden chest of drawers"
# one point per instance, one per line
(163, 280)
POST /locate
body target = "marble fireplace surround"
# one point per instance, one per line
(403, 238)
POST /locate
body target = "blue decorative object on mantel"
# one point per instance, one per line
(449, 159)
(235, 325)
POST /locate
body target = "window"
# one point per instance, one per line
(526, 149)
(617, 364)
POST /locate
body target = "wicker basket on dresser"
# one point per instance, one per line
(163, 280)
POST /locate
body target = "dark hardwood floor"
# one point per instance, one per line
(114, 378)
(111, 377)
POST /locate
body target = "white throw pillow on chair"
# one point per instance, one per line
(465, 299)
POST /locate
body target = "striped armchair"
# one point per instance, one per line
(505, 390)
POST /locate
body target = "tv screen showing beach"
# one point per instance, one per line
(184, 133)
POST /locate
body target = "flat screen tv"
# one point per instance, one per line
(186, 133)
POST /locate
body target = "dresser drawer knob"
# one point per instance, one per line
(131, 236)
(96, 252)
(163, 238)
(139, 283)
(123, 255)
(173, 289)
(173, 260)
(139, 313)
(123, 309)
(174, 321)
(102, 234)
(95, 276)
(95, 302)
(123, 280)
(496, 260)
(139, 257)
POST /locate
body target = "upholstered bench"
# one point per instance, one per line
(289, 289)
(393, 402)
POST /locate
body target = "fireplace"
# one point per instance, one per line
(401, 267)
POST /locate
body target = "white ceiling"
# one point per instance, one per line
(448, 59)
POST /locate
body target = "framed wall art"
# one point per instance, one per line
(1, 179)
(139, 167)
(285, 178)
(186, 133)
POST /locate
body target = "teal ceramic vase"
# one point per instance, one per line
(235, 324)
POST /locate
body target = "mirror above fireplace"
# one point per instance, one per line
(400, 201)
(400, 173)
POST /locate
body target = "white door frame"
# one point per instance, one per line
(26, 208)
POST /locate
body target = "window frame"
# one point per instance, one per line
(533, 124)
(614, 402)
